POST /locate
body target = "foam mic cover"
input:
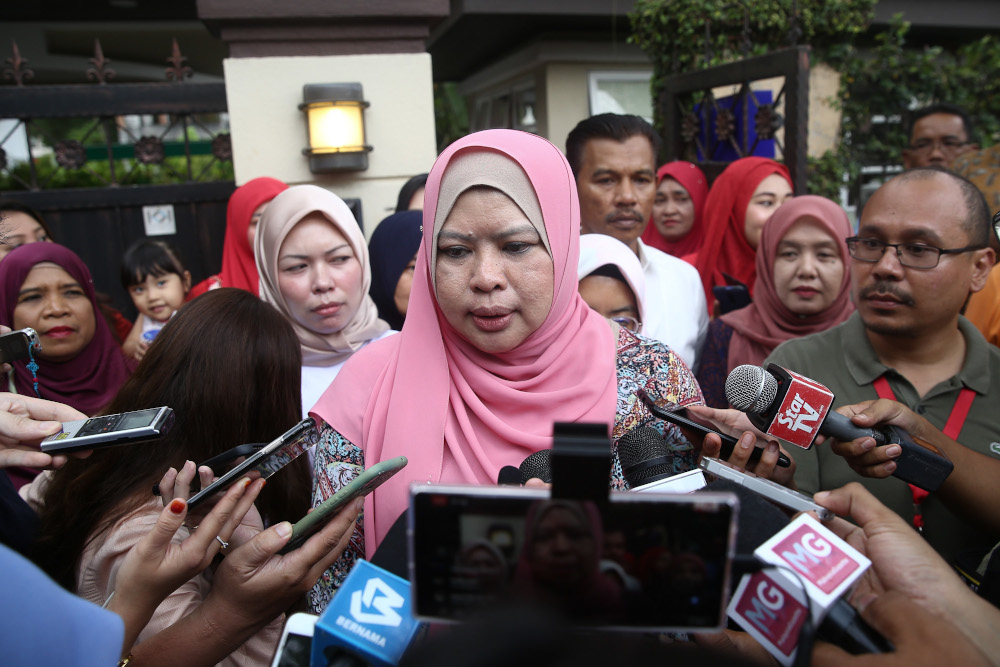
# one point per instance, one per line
(644, 456)
(509, 476)
(537, 465)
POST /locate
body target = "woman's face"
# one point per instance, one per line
(417, 200)
(493, 275)
(254, 219)
(401, 297)
(673, 210)
(808, 269)
(564, 550)
(319, 276)
(610, 297)
(18, 229)
(771, 193)
(55, 305)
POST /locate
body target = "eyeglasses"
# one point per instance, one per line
(627, 322)
(948, 145)
(913, 255)
(996, 225)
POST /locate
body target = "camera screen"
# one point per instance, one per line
(639, 561)
(137, 419)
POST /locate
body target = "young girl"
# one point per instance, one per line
(157, 281)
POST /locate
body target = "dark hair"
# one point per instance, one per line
(978, 222)
(944, 108)
(9, 205)
(149, 258)
(408, 190)
(609, 271)
(620, 127)
(229, 365)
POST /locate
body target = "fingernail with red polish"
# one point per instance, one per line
(177, 505)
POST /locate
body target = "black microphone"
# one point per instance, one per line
(795, 409)
(538, 464)
(758, 521)
(509, 476)
(645, 457)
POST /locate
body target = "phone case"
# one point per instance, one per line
(366, 482)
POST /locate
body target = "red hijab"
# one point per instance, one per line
(90, 380)
(725, 248)
(767, 322)
(238, 266)
(693, 180)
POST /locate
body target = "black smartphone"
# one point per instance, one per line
(472, 548)
(681, 419)
(17, 345)
(370, 479)
(266, 461)
(119, 429)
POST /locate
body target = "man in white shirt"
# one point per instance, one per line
(613, 157)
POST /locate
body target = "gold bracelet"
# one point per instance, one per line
(124, 661)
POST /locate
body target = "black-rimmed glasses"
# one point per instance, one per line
(913, 255)
(996, 225)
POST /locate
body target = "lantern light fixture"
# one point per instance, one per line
(335, 127)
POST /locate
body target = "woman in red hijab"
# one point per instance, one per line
(676, 225)
(802, 287)
(741, 200)
(246, 205)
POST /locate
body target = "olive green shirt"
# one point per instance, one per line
(844, 360)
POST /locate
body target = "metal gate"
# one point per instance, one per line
(138, 155)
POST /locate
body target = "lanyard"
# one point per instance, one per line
(952, 428)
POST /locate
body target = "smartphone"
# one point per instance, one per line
(771, 490)
(473, 548)
(119, 429)
(681, 419)
(295, 645)
(16, 345)
(370, 479)
(266, 461)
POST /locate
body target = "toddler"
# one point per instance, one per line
(157, 281)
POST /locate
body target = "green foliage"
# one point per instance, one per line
(97, 174)
(451, 118)
(885, 80)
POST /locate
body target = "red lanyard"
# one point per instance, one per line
(952, 428)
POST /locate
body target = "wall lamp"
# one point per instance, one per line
(335, 127)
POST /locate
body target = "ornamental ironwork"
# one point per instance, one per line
(222, 147)
(767, 121)
(70, 154)
(100, 71)
(149, 150)
(16, 69)
(725, 125)
(178, 71)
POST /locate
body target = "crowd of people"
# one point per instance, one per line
(515, 286)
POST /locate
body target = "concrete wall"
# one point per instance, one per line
(269, 131)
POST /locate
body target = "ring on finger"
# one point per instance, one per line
(224, 544)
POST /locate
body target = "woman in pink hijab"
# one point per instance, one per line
(497, 344)
(802, 287)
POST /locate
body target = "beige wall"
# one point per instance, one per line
(269, 131)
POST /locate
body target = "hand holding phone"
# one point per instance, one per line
(370, 479)
(681, 418)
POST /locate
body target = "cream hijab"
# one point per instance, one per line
(284, 212)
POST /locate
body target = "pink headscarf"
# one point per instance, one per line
(767, 322)
(460, 414)
(693, 180)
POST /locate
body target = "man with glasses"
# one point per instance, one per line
(613, 157)
(938, 134)
(921, 248)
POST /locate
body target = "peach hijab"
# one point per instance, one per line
(460, 414)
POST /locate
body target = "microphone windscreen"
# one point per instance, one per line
(509, 476)
(758, 519)
(751, 389)
(537, 465)
(644, 456)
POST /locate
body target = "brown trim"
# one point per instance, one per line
(272, 49)
(209, 10)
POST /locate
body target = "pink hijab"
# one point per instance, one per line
(767, 322)
(460, 414)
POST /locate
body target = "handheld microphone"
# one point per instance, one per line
(369, 622)
(795, 409)
(538, 464)
(759, 522)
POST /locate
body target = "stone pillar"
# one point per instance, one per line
(276, 47)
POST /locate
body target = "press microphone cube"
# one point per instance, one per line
(370, 619)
